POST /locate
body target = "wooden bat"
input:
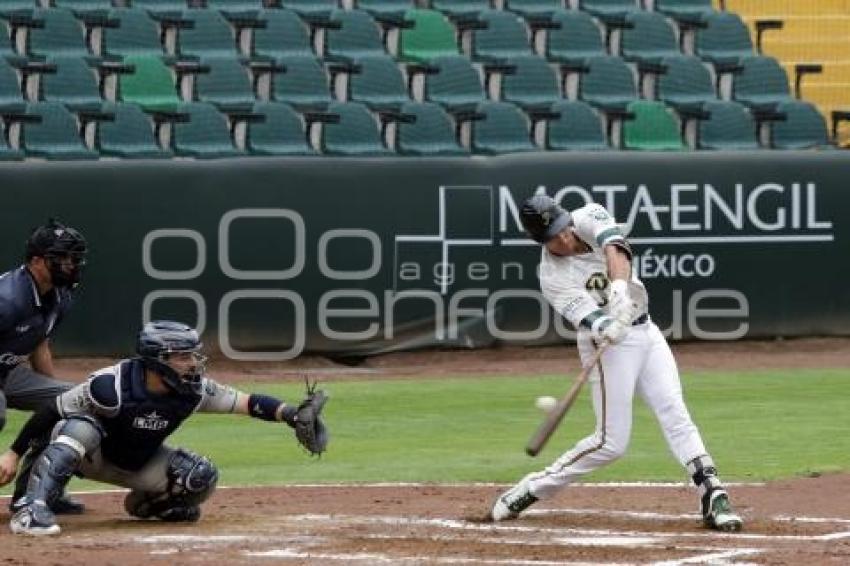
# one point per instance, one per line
(556, 415)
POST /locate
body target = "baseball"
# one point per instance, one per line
(545, 403)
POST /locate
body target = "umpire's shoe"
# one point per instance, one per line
(717, 512)
(64, 505)
(34, 519)
(513, 502)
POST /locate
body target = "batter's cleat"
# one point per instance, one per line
(513, 502)
(64, 505)
(718, 513)
(34, 519)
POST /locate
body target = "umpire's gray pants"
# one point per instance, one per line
(26, 389)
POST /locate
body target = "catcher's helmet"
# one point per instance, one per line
(159, 339)
(64, 249)
(543, 218)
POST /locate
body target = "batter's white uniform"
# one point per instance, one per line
(577, 287)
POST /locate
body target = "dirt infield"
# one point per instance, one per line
(801, 521)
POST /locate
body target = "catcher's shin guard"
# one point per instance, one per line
(191, 480)
(62, 505)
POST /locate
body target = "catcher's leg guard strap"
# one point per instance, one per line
(191, 480)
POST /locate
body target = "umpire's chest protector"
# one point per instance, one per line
(144, 419)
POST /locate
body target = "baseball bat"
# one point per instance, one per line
(556, 415)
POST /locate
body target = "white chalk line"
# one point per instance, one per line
(649, 515)
(618, 541)
(712, 558)
(793, 519)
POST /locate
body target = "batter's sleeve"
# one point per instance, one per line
(217, 398)
(570, 301)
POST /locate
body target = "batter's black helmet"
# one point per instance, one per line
(543, 218)
(56, 242)
(160, 338)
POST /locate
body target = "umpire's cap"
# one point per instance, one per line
(543, 218)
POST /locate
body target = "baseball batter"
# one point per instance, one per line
(34, 298)
(112, 429)
(585, 274)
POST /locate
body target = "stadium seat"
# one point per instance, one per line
(208, 35)
(574, 126)
(760, 83)
(11, 96)
(8, 7)
(500, 127)
(311, 9)
(609, 10)
(301, 82)
(648, 38)
(533, 8)
(501, 35)
(453, 82)
(353, 133)
(82, 7)
(684, 82)
(225, 81)
(130, 32)
(803, 127)
(205, 135)
(530, 83)
(73, 83)
(428, 131)
(55, 136)
(61, 35)
(391, 8)
(7, 153)
(724, 39)
(685, 10)
(607, 82)
(150, 85)
(378, 83)
(284, 34)
(355, 35)
(429, 35)
(576, 38)
(161, 7)
(728, 126)
(281, 132)
(461, 8)
(129, 135)
(652, 127)
(235, 7)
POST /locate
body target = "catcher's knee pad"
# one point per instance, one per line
(83, 433)
(191, 480)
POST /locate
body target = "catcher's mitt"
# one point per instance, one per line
(310, 431)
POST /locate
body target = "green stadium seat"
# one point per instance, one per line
(356, 36)
(576, 38)
(129, 135)
(724, 39)
(500, 128)
(131, 32)
(574, 127)
(7, 153)
(648, 39)
(302, 83)
(62, 34)
(74, 83)
(378, 83)
(284, 34)
(607, 83)
(761, 82)
(652, 127)
(609, 10)
(503, 35)
(533, 8)
(684, 82)
(385, 8)
(235, 7)
(225, 82)
(461, 8)
(311, 9)
(161, 7)
(55, 136)
(453, 82)
(728, 126)
(11, 96)
(685, 10)
(206, 134)
(429, 35)
(530, 83)
(151, 85)
(430, 133)
(280, 133)
(9, 7)
(803, 127)
(354, 134)
(84, 6)
(209, 35)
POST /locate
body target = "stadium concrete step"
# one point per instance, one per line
(815, 48)
(787, 7)
(800, 28)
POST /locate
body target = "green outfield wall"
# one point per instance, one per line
(275, 257)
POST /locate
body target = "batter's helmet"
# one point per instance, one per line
(543, 218)
(160, 338)
(58, 243)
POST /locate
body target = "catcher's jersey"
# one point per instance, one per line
(577, 286)
(135, 420)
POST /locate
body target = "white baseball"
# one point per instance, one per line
(545, 403)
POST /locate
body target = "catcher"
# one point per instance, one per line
(111, 428)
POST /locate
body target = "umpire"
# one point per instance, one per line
(34, 299)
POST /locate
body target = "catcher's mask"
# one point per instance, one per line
(173, 350)
(63, 249)
(543, 218)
